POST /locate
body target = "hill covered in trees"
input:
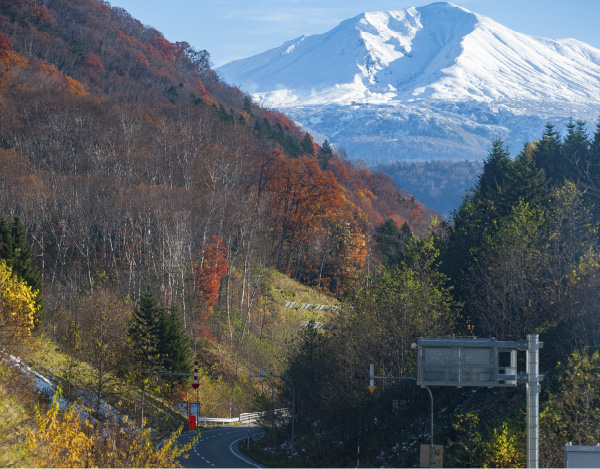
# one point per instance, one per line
(129, 161)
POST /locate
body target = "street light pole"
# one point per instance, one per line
(372, 379)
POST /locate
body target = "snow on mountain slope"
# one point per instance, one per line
(428, 82)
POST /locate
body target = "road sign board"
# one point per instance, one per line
(466, 362)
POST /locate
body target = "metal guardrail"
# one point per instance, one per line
(245, 417)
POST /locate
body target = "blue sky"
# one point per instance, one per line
(235, 29)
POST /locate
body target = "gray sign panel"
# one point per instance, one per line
(465, 362)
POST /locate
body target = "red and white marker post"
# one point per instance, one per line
(196, 385)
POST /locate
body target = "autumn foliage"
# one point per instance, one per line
(207, 279)
(68, 438)
(211, 270)
(107, 126)
(17, 305)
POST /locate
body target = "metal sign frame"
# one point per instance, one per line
(476, 362)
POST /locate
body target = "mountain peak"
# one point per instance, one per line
(435, 60)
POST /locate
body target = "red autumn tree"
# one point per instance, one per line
(207, 278)
(94, 64)
(211, 270)
(8, 56)
(167, 50)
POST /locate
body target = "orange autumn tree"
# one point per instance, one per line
(302, 197)
(207, 278)
(338, 253)
(8, 58)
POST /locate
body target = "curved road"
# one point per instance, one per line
(218, 447)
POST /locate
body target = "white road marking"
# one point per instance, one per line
(237, 455)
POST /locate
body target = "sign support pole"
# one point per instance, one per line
(533, 398)
(470, 358)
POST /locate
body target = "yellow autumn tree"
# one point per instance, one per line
(62, 439)
(66, 438)
(504, 449)
(17, 305)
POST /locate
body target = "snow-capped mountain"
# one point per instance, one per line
(424, 83)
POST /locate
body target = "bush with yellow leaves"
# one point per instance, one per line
(17, 305)
(66, 438)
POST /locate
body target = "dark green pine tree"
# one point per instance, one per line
(5, 240)
(595, 160)
(173, 345)
(21, 256)
(592, 188)
(489, 201)
(248, 104)
(595, 145)
(576, 153)
(528, 182)
(547, 155)
(143, 332)
(15, 250)
(307, 145)
(492, 193)
(325, 155)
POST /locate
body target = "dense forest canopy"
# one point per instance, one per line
(151, 215)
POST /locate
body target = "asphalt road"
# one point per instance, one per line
(218, 447)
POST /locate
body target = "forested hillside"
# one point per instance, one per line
(151, 216)
(127, 160)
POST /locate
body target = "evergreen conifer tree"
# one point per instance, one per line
(326, 154)
(528, 182)
(143, 332)
(307, 145)
(391, 242)
(5, 239)
(159, 338)
(576, 153)
(494, 179)
(548, 155)
(173, 345)
(594, 180)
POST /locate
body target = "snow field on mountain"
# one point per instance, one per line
(437, 81)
